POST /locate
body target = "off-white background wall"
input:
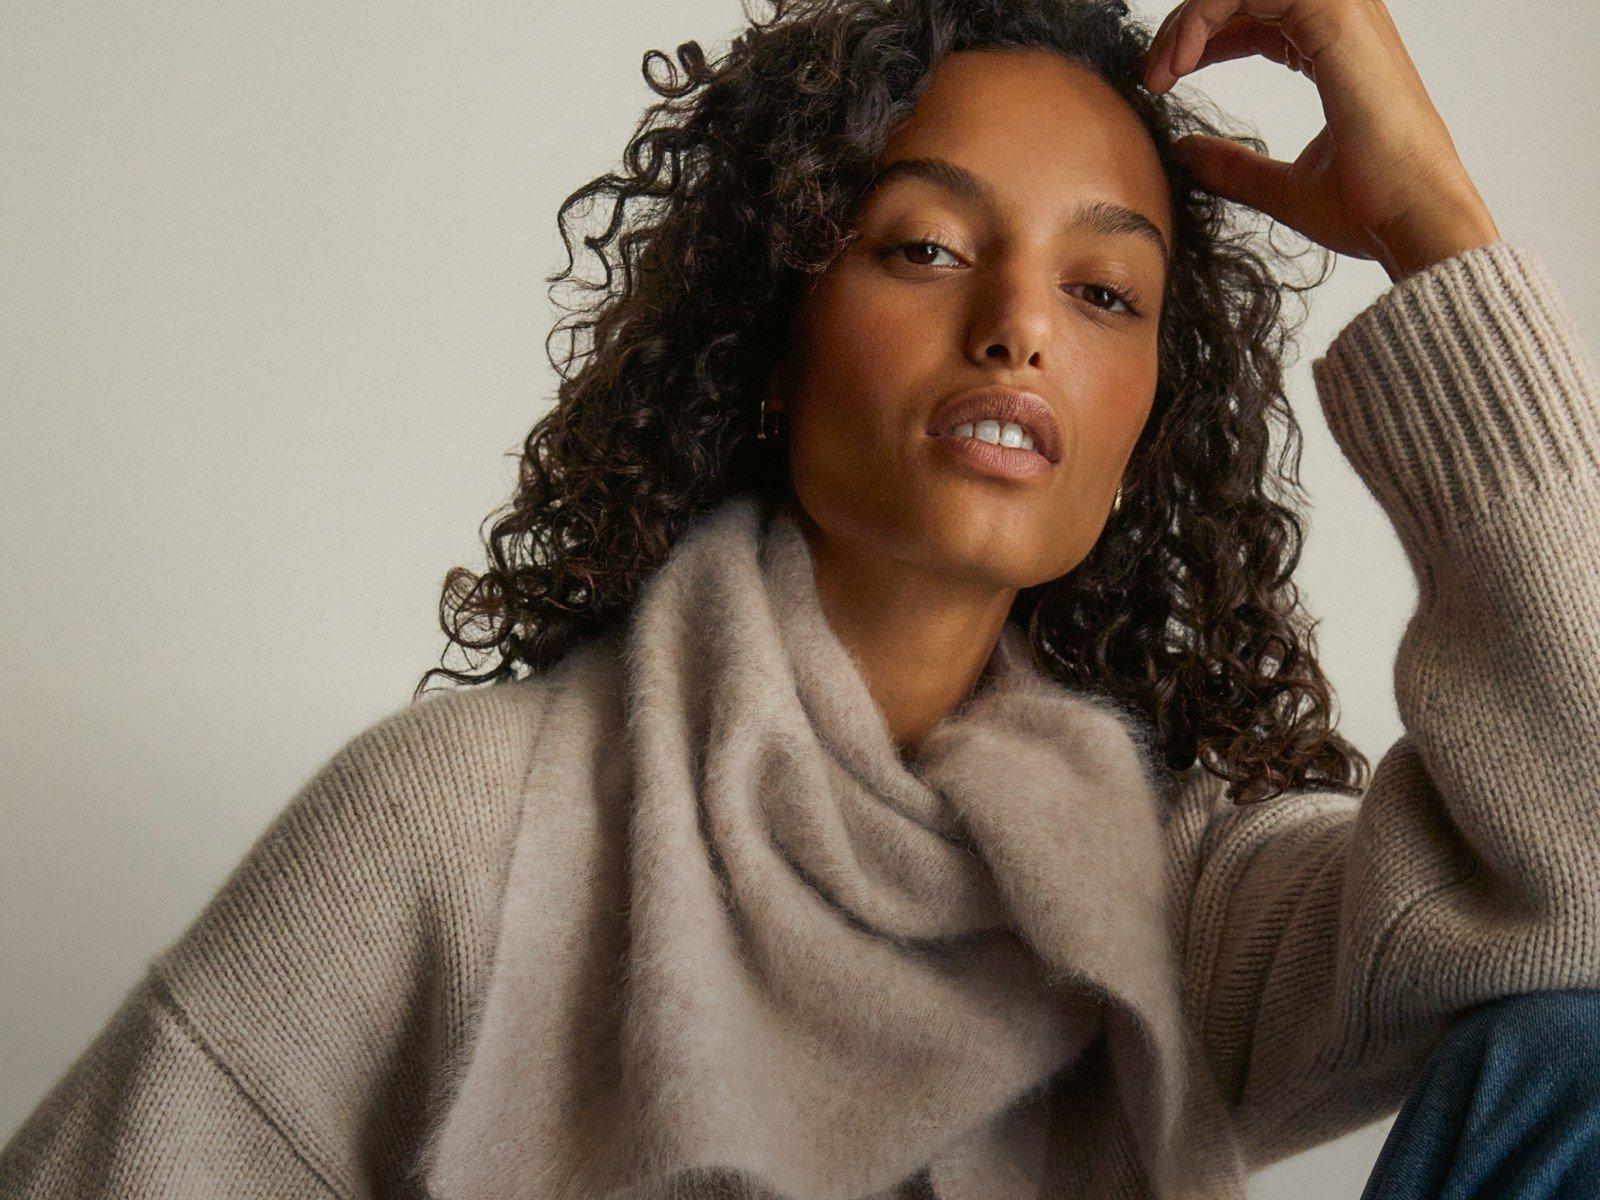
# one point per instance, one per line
(271, 322)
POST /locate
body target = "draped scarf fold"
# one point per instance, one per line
(748, 949)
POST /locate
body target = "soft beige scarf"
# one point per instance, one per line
(746, 948)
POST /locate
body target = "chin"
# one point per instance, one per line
(965, 541)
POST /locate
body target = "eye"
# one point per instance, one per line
(920, 246)
(1116, 295)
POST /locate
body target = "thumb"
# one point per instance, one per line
(1238, 173)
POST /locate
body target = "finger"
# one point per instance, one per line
(1360, 67)
(1184, 34)
(1166, 24)
(1189, 36)
(1308, 28)
(1243, 36)
(1160, 45)
(1238, 173)
(1311, 26)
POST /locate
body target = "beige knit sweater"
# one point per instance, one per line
(674, 920)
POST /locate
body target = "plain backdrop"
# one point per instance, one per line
(272, 322)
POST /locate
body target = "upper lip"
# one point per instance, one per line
(996, 402)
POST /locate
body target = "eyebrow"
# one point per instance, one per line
(1095, 216)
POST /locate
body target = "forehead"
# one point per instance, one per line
(1042, 129)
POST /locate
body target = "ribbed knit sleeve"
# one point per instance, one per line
(1460, 385)
(296, 1038)
(1330, 940)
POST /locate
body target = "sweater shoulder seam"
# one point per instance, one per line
(165, 999)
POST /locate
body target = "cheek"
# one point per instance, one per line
(1117, 400)
(864, 368)
(862, 347)
(862, 373)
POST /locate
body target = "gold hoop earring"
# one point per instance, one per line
(1116, 501)
(765, 430)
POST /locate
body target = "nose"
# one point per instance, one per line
(1011, 319)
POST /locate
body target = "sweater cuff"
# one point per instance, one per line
(1460, 384)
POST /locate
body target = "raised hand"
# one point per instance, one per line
(1382, 180)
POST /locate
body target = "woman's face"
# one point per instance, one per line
(970, 270)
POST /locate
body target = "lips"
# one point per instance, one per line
(995, 402)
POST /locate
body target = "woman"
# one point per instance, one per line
(859, 807)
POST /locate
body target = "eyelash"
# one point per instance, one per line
(1121, 294)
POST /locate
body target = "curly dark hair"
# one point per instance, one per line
(738, 185)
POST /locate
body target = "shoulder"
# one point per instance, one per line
(460, 739)
(447, 766)
(414, 806)
(347, 943)
(440, 767)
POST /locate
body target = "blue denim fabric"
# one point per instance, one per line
(1507, 1106)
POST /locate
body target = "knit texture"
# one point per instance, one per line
(343, 1017)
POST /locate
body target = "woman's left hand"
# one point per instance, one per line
(1382, 180)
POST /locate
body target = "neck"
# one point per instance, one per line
(919, 639)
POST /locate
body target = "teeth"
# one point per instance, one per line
(1009, 434)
